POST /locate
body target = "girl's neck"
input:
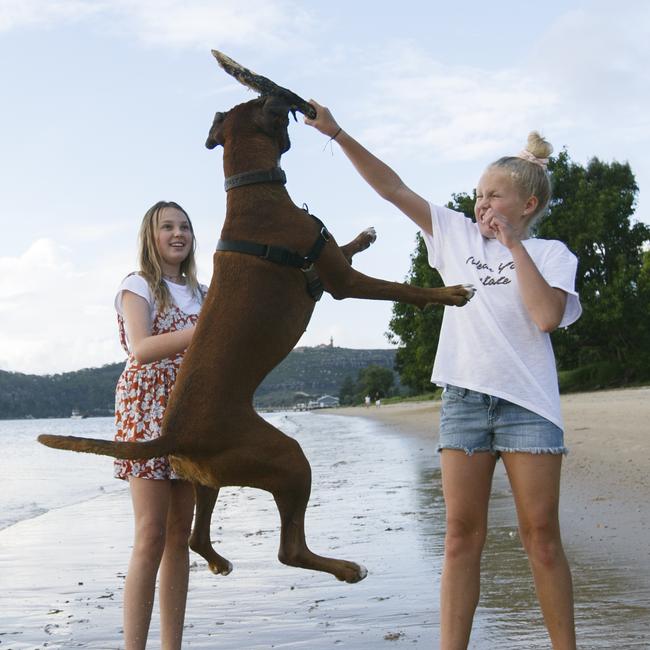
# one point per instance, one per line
(173, 274)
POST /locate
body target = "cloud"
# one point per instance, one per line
(55, 316)
(597, 60)
(173, 23)
(234, 22)
(16, 14)
(453, 113)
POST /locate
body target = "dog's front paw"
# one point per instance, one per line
(371, 234)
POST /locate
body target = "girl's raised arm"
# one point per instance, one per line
(374, 171)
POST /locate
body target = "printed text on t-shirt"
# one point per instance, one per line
(491, 276)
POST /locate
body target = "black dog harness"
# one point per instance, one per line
(278, 254)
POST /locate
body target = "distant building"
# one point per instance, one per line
(327, 401)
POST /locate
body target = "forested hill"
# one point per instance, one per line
(315, 371)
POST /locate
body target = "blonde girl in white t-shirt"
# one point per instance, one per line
(496, 364)
(157, 309)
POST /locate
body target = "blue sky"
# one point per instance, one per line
(106, 106)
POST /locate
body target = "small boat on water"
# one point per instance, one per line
(76, 414)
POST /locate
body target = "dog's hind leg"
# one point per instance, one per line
(200, 539)
(291, 497)
(267, 459)
(294, 551)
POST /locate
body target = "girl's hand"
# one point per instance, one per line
(324, 121)
(503, 230)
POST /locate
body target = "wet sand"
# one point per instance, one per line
(373, 501)
(376, 499)
(605, 498)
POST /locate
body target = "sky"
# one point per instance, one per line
(106, 106)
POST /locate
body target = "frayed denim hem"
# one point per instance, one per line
(534, 450)
(468, 451)
(497, 451)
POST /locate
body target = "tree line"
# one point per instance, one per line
(592, 213)
(306, 373)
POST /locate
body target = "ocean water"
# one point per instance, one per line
(376, 499)
(36, 481)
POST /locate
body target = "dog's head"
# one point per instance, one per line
(267, 115)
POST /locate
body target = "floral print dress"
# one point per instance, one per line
(142, 394)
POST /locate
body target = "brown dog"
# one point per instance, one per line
(260, 300)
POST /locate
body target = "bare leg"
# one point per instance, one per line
(466, 483)
(150, 500)
(535, 481)
(200, 540)
(175, 565)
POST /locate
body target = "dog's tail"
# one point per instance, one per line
(125, 450)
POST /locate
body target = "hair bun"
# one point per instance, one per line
(537, 146)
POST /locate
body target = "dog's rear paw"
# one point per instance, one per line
(354, 573)
(221, 568)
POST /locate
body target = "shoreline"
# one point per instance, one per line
(605, 489)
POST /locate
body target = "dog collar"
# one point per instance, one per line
(274, 175)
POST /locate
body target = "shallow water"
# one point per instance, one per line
(35, 480)
(376, 499)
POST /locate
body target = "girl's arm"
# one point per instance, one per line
(545, 304)
(145, 347)
(375, 172)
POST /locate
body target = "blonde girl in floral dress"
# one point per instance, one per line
(157, 310)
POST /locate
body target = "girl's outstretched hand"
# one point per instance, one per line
(324, 120)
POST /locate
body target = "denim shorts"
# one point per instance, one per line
(473, 422)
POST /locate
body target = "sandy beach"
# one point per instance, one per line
(605, 499)
(376, 498)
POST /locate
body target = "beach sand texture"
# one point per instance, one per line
(605, 477)
(375, 499)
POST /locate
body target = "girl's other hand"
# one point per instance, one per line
(324, 120)
(503, 230)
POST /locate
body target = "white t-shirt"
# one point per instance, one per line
(183, 297)
(492, 345)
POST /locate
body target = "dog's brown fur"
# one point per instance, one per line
(253, 316)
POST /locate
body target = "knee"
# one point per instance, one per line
(150, 539)
(463, 538)
(178, 534)
(542, 543)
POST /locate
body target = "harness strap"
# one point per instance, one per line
(321, 240)
(285, 257)
(276, 254)
(275, 175)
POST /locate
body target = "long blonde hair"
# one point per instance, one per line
(149, 257)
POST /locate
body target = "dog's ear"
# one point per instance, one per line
(215, 135)
(276, 111)
(275, 119)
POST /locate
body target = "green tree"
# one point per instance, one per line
(592, 213)
(376, 381)
(416, 331)
(347, 392)
(373, 380)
